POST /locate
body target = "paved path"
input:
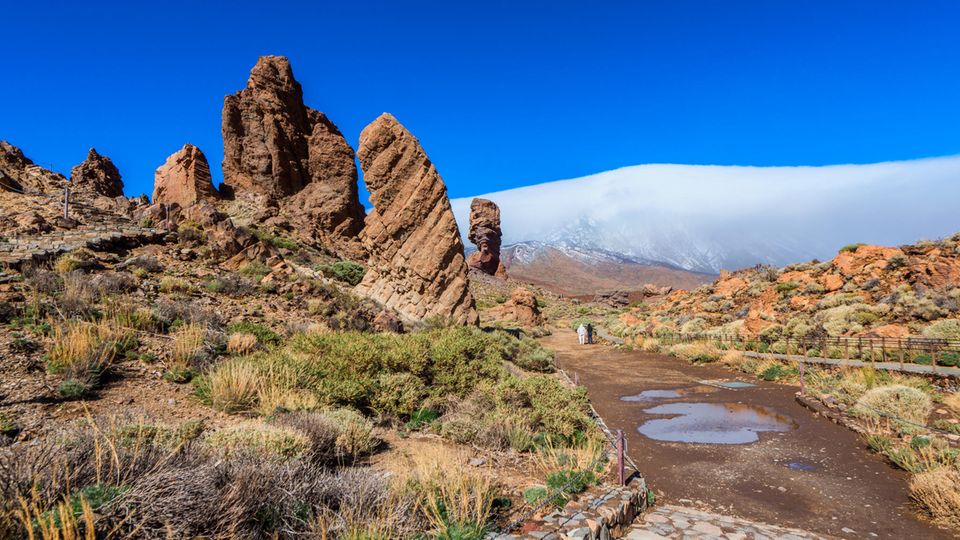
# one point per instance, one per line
(670, 521)
(816, 476)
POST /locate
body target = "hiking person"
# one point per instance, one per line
(582, 333)
(590, 333)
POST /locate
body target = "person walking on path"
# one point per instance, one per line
(590, 333)
(582, 334)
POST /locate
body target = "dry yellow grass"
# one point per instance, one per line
(650, 345)
(448, 491)
(234, 386)
(732, 358)
(952, 401)
(242, 343)
(552, 458)
(80, 348)
(188, 343)
(938, 492)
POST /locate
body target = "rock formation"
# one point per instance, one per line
(521, 307)
(485, 234)
(276, 146)
(416, 264)
(184, 179)
(97, 174)
(19, 174)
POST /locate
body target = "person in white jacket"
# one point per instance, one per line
(582, 334)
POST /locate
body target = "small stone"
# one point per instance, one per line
(477, 462)
(848, 530)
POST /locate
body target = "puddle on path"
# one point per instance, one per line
(652, 395)
(735, 384)
(801, 466)
(713, 423)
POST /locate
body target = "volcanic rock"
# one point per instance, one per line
(521, 307)
(485, 234)
(19, 174)
(614, 299)
(276, 146)
(97, 174)
(184, 179)
(416, 264)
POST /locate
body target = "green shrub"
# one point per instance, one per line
(422, 417)
(851, 248)
(531, 356)
(255, 270)
(558, 409)
(944, 329)
(787, 287)
(275, 240)
(346, 271)
(399, 394)
(265, 335)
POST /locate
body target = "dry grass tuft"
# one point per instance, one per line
(189, 345)
(261, 440)
(937, 492)
(696, 352)
(233, 386)
(242, 343)
(651, 345)
(952, 401)
(82, 352)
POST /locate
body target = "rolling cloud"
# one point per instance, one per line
(707, 217)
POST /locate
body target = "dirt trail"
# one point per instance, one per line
(816, 476)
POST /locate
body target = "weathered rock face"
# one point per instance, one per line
(276, 146)
(97, 174)
(19, 174)
(416, 264)
(485, 234)
(521, 307)
(184, 179)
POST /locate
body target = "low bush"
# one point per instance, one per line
(937, 492)
(895, 400)
(850, 248)
(345, 271)
(171, 284)
(79, 259)
(259, 440)
(264, 334)
(255, 270)
(696, 352)
(531, 356)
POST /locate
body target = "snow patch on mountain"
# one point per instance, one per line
(708, 217)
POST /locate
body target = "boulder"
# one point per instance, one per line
(184, 179)
(416, 264)
(521, 307)
(276, 146)
(485, 234)
(20, 175)
(614, 299)
(97, 175)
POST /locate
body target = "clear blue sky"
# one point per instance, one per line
(501, 94)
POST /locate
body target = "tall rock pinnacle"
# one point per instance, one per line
(276, 146)
(485, 234)
(416, 263)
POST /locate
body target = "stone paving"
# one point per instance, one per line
(670, 521)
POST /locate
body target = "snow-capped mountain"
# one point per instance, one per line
(705, 218)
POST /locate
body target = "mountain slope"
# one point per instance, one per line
(706, 218)
(572, 271)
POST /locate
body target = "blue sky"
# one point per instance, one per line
(501, 94)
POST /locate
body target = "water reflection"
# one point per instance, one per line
(713, 423)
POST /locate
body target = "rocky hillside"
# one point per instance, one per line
(864, 291)
(290, 185)
(586, 272)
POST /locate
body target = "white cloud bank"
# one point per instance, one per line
(706, 217)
